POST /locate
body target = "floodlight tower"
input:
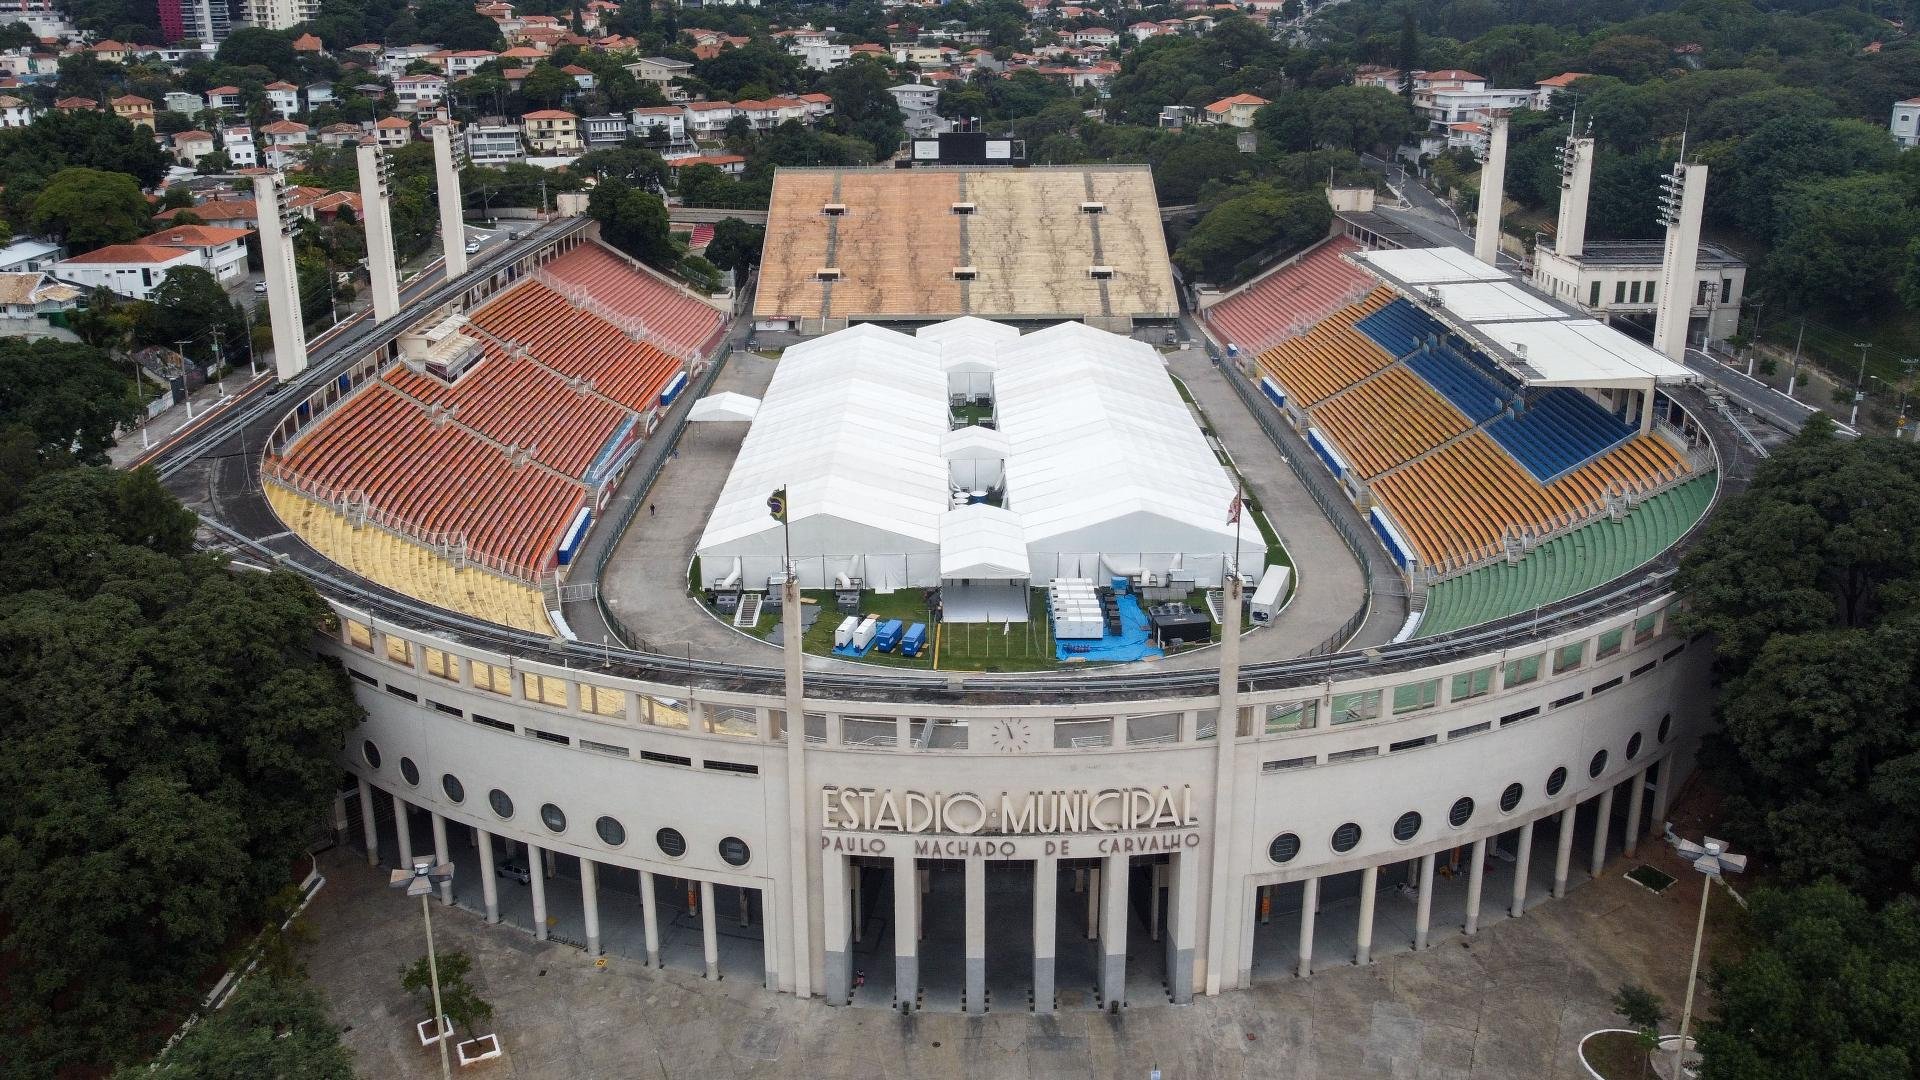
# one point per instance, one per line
(275, 212)
(1493, 194)
(376, 216)
(1576, 181)
(446, 173)
(1683, 196)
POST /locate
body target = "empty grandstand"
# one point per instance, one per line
(1288, 300)
(496, 438)
(880, 244)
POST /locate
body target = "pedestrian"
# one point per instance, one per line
(859, 979)
(652, 510)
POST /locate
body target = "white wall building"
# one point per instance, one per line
(1905, 123)
(491, 144)
(819, 55)
(238, 144)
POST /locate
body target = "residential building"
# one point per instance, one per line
(1442, 107)
(914, 97)
(75, 104)
(131, 270)
(1905, 124)
(551, 131)
(205, 21)
(771, 113)
(43, 17)
(25, 253)
(819, 54)
(1236, 111)
(1141, 31)
(32, 301)
(731, 164)
(419, 93)
(190, 146)
(1385, 78)
(1546, 89)
(660, 123)
(1096, 35)
(15, 112)
(494, 144)
(659, 70)
(708, 119)
(283, 98)
(184, 103)
(318, 94)
(393, 132)
(286, 143)
(281, 14)
(604, 131)
(111, 51)
(457, 65)
(238, 144)
(342, 134)
(309, 45)
(221, 251)
(923, 55)
(581, 76)
(819, 106)
(223, 97)
(134, 109)
(393, 60)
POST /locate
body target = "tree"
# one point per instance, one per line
(1809, 583)
(189, 306)
(172, 736)
(253, 46)
(635, 222)
(632, 162)
(452, 23)
(547, 85)
(272, 1026)
(87, 208)
(1762, 171)
(1841, 241)
(736, 245)
(1359, 118)
(71, 397)
(86, 75)
(459, 1001)
(1644, 1011)
(862, 107)
(1262, 220)
(1827, 987)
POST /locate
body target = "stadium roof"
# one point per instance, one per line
(1537, 338)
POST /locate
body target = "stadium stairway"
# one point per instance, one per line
(1570, 564)
(409, 568)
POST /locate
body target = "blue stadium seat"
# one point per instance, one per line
(1557, 430)
(1471, 390)
(1399, 328)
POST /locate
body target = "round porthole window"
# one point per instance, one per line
(553, 817)
(734, 851)
(409, 771)
(1346, 837)
(455, 790)
(1461, 813)
(1598, 765)
(1284, 847)
(371, 753)
(612, 833)
(502, 805)
(1633, 746)
(1666, 728)
(1407, 827)
(1510, 798)
(1556, 780)
(672, 844)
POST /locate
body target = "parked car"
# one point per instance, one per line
(473, 246)
(259, 286)
(513, 871)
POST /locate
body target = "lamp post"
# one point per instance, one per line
(1712, 859)
(1859, 383)
(420, 881)
(1907, 363)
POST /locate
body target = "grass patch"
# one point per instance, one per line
(1617, 1055)
(997, 647)
(969, 415)
(903, 604)
(1653, 880)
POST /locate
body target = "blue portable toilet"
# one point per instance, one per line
(915, 640)
(889, 635)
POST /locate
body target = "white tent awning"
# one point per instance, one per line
(725, 405)
(981, 540)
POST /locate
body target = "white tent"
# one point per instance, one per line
(976, 457)
(969, 352)
(725, 406)
(983, 565)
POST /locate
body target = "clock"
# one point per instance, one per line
(1009, 736)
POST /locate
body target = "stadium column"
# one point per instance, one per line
(489, 889)
(1181, 922)
(369, 829)
(834, 924)
(1486, 229)
(1476, 879)
(1563, 850)
(283, 284)
(1113, 931)
(975, 998)
(1662, 791)
(590, 903)
(1423, 906)
(453, 234)
(798, 857)
(1363, 939)
(1309, 906)
(1600, 826)
(339, 816)
(1522, 862)
(1683, 201)
(906, 933)
(539, 882)
(440, 855)
(1224, 884)
(650, 917)
(709, 930)
(1046, 918)
(376, 218)
(402, 833)
(1636, 796)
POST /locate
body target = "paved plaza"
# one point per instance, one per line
(1511, 1003)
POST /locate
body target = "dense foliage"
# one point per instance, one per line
(170, 734)
(273, 1026)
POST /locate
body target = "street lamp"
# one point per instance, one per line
(420, 881)
(1859, 383)
(1712, 859)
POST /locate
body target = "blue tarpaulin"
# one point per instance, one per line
(1134, 642)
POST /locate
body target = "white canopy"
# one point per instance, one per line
(1584, 352)
(724, 406)
(982, 541)
(1427, 266)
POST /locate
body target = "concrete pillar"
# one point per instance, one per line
(1158, 872)
(489, 885)
(1563, 850)
(440, 856)
(283, 285)
(650, 917)
(1046, 917)
(1600, 827)
(339, 816)
(1226, 879)
(1093, 904)
(834, 924)
(1683, 201)
(799, 853)
(856, 899)
(1113, 930)
(1309, 907)
(1522, 866)
(771, 949)
(550, 861)
(1363, 938)
(1636, 801)
(709, 930)
(369, 829)
(402, 831)
(1576, 180)
(376, 218)
(1662, 792)
(974, 1000)
(1182, 925)
(1493, 194)
(1423, 905)
(590, 903)
(906, 934)
(446, 175)
(1476, 878)
(539, 882)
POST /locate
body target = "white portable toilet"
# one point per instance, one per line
(843, 635)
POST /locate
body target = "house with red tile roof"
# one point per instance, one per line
(1236, 111)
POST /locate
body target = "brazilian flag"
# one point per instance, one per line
(777, 505)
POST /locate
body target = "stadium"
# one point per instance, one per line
(535, 496)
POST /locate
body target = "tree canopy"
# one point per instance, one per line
(272, 1026)
(635, 222)
(88, 208)
(63, 400)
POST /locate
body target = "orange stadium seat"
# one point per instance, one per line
(685, 324)
(1330, 357)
